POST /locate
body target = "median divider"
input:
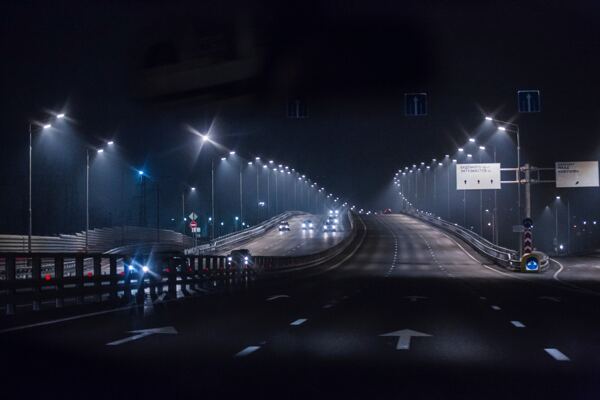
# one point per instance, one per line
(37, 281)
(244, 235)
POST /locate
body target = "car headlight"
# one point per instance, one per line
(310, 225)
(335, 220)
(229, 258)
(332, 226)
(304, 225)
(246, 262)
(145, 268)
(245, 258)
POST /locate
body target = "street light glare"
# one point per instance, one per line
(460, 149)
(557, 197)
(110, 142)
(232, 153)
(140, 172)
(47, 126)
(223, 159)
(472, 140)
(481, 147)
(100, 151)
(193, 188)
(501, 128)
(205, 138)
(489, 118)
(60, 116)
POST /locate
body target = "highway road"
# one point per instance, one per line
(296, 242)
(412, 314)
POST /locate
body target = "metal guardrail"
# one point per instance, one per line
(241, 236)
(34, 279)
(100, 240)
(505, 257)
(276, 264)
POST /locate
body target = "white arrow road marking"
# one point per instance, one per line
(404, 337)
(415, 298)
(557, 354)
(142, 333)
(248, 350)
(279, 296)
(299, 322)
(496, 308)
(518, 324)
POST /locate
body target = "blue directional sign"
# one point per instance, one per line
(415, 104)
(532, 264)
(529, 101)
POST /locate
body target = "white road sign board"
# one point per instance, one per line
(480, 176)
(576, 174)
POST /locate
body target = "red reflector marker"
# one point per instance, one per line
(47, 277)
(89, 274)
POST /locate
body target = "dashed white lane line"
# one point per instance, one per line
(557, 354)
(518, 324)
(298, 322)
(483, 298)
(496, 308)
(248, 350)
(328, 306)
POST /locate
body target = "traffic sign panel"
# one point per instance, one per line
(529, 101)
(477, 176)
(415, 104)
(193, 216)
(576, 174)
(193, 224)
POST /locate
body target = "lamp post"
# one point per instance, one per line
(514, 128)
(87, 192)
(30, 208)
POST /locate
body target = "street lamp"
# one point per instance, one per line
(87, 192)
(514, 128)
(30, 227)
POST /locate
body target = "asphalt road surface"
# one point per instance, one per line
(296, 242)
(412, 314)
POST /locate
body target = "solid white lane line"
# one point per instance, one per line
(496, 308)
(248, 350)
(76, 317)
(557, 354)
(518, 324)
(298, 322)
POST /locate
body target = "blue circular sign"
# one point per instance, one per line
(532, 264)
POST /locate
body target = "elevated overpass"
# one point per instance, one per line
(401, 299)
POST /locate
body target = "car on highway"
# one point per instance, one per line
(308, 225)
(330, 225)
(240, 259)
(159, 263)
(284, 226)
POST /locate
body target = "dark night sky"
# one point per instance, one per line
(352, 61)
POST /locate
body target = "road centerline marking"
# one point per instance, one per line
(557, 354)
(248, 350)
